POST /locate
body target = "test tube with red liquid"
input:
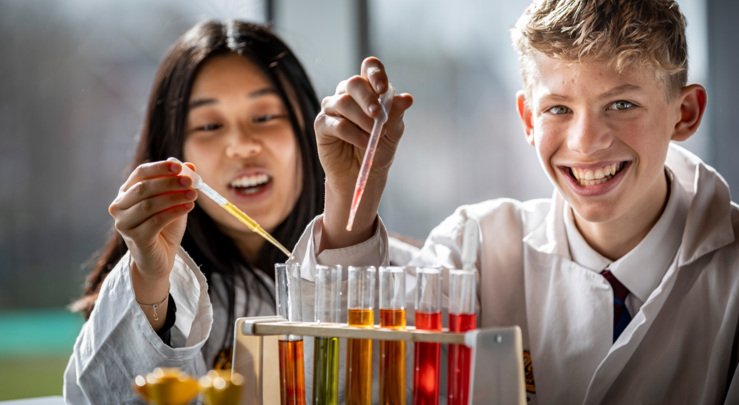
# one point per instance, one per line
(290, 347)
(462, 317)
(427, 356)
(360, 313)
(392, 352)
(326, 349)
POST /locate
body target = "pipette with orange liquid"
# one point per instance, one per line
(386, 101)
(232, 209)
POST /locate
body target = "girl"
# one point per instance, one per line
(232, 99)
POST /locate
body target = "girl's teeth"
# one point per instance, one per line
(250, 181)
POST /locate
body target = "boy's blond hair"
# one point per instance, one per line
(624, 32)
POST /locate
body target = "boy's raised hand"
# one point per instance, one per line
(342, 130)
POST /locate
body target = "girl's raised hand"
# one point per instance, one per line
(150, 213)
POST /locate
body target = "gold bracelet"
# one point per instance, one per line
(155, 306)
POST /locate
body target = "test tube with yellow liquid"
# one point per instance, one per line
(326, 349)
(290, 347)
(392, 352)
(360, 313)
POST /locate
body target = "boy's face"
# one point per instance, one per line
(602, 137)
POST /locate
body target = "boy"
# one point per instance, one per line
(625, 281)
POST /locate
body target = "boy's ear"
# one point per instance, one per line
(692, 107)
(526, 116)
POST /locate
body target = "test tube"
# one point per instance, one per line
(462, 317)
(392, 352)
(360, 313)
(289, 306)
(326, 349)
(427, 357)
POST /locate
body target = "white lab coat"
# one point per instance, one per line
(681, 347)
(117, 342)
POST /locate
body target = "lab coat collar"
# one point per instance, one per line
(549, 236)
(708, 226)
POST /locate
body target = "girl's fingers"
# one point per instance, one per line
(150, 170)
(154, 225)
(149, 188)
(149, 210)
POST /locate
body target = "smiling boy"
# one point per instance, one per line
(625, 282)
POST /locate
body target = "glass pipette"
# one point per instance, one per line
(232, 209)
(386, 100)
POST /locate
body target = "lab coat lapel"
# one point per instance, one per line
(622, 350)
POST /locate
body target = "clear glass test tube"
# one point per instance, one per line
(427, 357)
(462, 317)
(326, 349)
(289, 306)
(360, 313)
(392, 352)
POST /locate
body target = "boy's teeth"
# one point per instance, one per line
(587, 177)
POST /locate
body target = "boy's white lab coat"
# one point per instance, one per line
(681, 347)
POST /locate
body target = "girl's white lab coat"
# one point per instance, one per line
(681, 347)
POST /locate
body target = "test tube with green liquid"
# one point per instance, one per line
(326, 349)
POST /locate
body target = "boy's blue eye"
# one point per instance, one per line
(558, 110)
(621, 105)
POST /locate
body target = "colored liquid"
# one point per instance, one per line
(254, 226)
(359, 359)
(292, 378)
(459, 360)
(427, 361)
(326, 371)
(392, 359)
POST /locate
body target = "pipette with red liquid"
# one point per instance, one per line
(386, 101)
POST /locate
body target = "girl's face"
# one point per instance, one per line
(240, 138)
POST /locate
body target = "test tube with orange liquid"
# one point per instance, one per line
(427, 356)
(462, 317)
(290, 347)
(392, 352)
(360, 313)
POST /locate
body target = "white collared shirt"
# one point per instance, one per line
(642, 268)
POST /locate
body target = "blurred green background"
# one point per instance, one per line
(34, 348)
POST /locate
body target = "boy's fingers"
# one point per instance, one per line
(401, 103)
(341, 128)
(374, 71)
(344, 105)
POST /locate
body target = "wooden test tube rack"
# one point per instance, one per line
(496, 374)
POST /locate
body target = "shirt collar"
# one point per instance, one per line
(642, 268)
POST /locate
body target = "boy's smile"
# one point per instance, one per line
(602, 138)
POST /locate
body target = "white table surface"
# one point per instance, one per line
(35, 401)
